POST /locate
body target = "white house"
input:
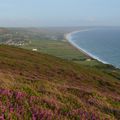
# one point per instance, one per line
(34, 49)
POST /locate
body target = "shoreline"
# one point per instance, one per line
(85, 52)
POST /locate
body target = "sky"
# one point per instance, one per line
(40, 13)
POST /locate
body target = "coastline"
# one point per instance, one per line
(85, 52)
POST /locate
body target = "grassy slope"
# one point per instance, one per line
(49, 85)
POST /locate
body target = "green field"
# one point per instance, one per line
(57, 48)
(62, 49)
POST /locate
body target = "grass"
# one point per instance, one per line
(59, 48)
(36, 85)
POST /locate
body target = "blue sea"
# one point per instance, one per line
(101, 43)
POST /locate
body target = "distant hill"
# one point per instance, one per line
(4, 31)
(39, 86)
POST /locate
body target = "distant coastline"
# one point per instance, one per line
(68, 37)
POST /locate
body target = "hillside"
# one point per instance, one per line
(36, 86)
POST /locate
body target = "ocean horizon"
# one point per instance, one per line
(102, 44)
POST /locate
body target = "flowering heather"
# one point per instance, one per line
(19, 105)
(78, 113)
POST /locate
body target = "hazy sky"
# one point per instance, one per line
(59, 12)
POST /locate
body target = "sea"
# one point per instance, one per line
(102, 44)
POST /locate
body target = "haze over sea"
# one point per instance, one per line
(102, 44)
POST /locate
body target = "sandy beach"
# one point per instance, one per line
(89, 55)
